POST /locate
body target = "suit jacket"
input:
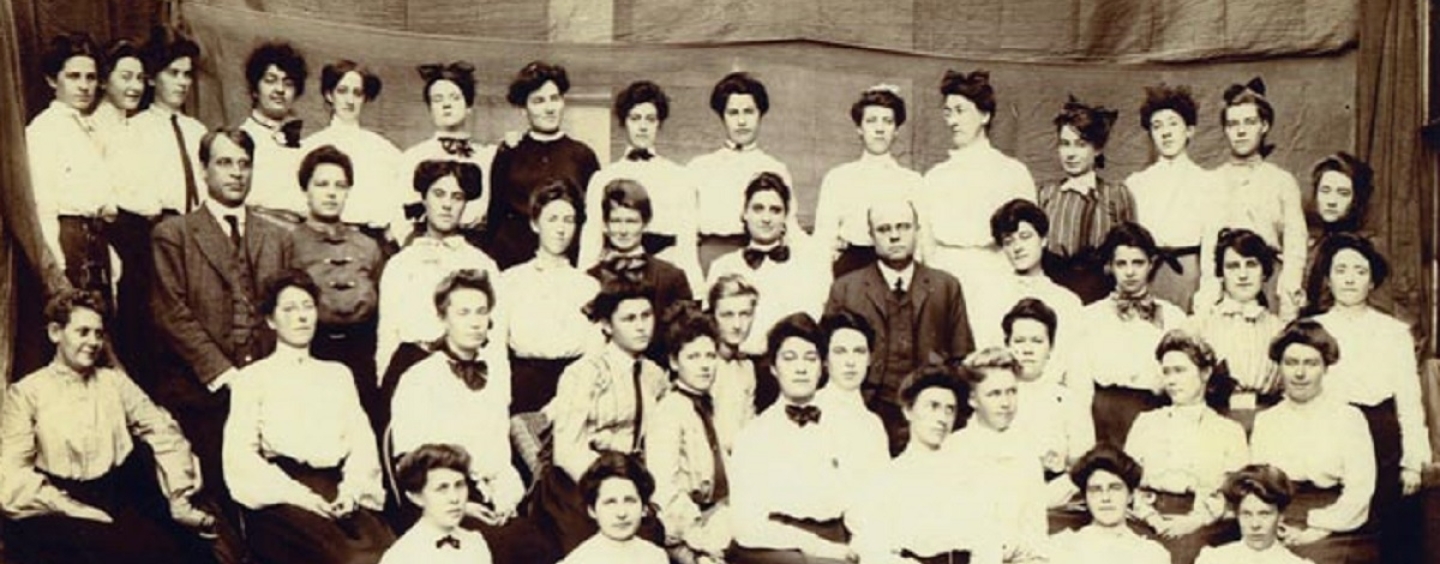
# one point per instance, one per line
(942, 326)
(195, 275)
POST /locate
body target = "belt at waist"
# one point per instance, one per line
(828, 529)
(82, 220)
(950, 557)
(323, 481)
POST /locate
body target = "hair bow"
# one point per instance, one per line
(436, 71)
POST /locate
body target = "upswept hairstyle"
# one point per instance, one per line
(833, 322)
(768, 181)
(642, 92)
(466, 174)
(459, 73)
(532, 77)
(1093, 123)
(738, 84)
(1109, 458)
(166, 44)
(463, 279)
(1307, 332)
(1174, 98)
(1266, 482)
(1033, 309)
(1252, 92)
(1361, 178)
(1007, 219)
(60, 307)
(611, 464)
(333, 73)
(414, 468)
(64, 47)
(1317, 287)
(881, 96)
(974, 87)
(290, 278)
(626, 193)
(282, 56)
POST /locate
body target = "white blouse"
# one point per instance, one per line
(275, 172)
(373, 196)
(1121, 352)
(1003, 466)
(68, 171)
(1094, 545)
(407, 292)
(599, 549)
(1187, 449)
(548, 301)
(1173, 200)
(1325, 442)
(958, 196)
(1239, 553)
(720, 179)
(849, 191)
(798, 285)
(914, 504)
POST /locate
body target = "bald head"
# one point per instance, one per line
(893, 223)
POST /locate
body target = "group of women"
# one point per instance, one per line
(567, 326)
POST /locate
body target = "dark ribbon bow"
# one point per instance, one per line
(1143, 307)
(448, 540)
(290, 131)
(458, 147)
(630, 267)
(1256, 85)
(639, 155)
(653, 243)
(457, 69)
(753, 257)
(473, 373)
(803, 415)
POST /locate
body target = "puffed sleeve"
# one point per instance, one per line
(1357, 483)
(24, 492)
(254, 482)
(569, 413)
(387, 333)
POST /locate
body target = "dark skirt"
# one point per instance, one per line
(86, 246)
(716, 246)
(133, 329)
(142, 531)
(1357, 547)
(560, 514)
(284, 534)
(1115, 408)
(533, 381)
(854, 257)
(1385, 434)
(1184, 550)
(832, 530)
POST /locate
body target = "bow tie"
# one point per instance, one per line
(803, 415)
(457, 147)
(451, 242)
(1250, 312)
(728, 353)
(754, 257)
(473, 373)
(1143, 307)
(289, 133)
(448, 540)
(639, 155)
(631, 267)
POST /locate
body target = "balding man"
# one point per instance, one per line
(918, 312)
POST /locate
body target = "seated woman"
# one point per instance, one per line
(602, 403)
(616, 490)
(71, 487)
(1378, 372)
(732, 304)
(299, 454)
(683, 449)
(992, 456)
(1186, 449)
(1258, 496)
(846, 342)
(794, 515)
(1334, 478)
(1047, 408)
(896, 518)
(554, 331)
(1240, 326)
(460, 395)
(1109, 478)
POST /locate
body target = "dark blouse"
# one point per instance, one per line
(514, 176)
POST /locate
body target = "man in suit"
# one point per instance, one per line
(918, 312)
(210, 267)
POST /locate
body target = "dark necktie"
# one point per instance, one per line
(705, 408)
(899, 290)
(448, 540)
(803, 415)
(192, 192)
(457, 147)
(753, 257)
(639, 155)
(234, 223)
(639, 405)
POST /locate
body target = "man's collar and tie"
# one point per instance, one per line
(754, 257)
(232, 222)
(898, 281)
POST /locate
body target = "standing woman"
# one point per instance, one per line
(74, 197)
(347, 89)
(1239, 325)
(1083, 206)
(959, 195)
(545, 152)
(345, 265)
(554, 331)
(1377, 372)
(449, 94)
(276, 73)
(299, 454)
(1341, 188)
(1257, 195)
(670, 234)
(849, 191)
(1173, 193)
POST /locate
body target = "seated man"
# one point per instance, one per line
(917, 312)
(71, 487)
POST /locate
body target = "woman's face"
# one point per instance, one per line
(994, 399)
(1351, 280)
(1077, 156)
(734, 315)
(967, 123)
(1259, 522)
(694, 364)
(797, 368)
(275, 93)
(294, 317)
(126, 84)
(848, 359)
(1244, 277)
(544, 108)
(444, 202)
(618, 509)
(624, 229)
(78, 343)
(1170, 133)
(1131, 269)
(1245, 129)
(1303, 369)
(555, 227)
(1030, 343)
(632, 325)
(1107, 497)
(172, 84)
(1025, 248)
(327, 191)
(877, 129)
(742, 119)
(764, 217)
(642, 125)
(1334, 195)
(75, 83)
(348, 97)
(467, 318)
(448, 109)
(1184, 382)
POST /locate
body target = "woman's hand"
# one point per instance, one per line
(1297, 535)
(317, 505)
(1410, 481)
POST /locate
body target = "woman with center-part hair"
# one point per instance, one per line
(348, 89)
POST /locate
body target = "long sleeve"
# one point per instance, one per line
(387, 330)
(176, 464)
(750, 470)
(503, 485)
(569, 412)
(24, 492)
(360, 474)
(1294, 238)
(664, 444)
(253, 481)
(827, 215)
(44, 182)
(1357, 482)
(170, 305)
(592, 232)
(1414, 436)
